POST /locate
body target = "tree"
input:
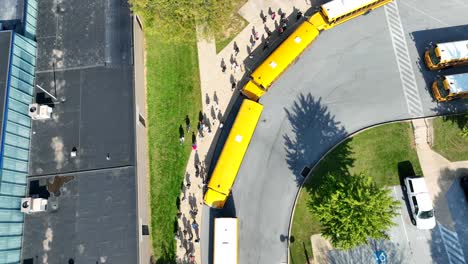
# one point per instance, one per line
(352, 209)
(177, 20)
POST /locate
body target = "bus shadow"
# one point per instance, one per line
(422, 40)
(262, 50)
(313, 128)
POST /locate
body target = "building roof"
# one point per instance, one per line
(87, 64)
(337, 8)
(458, 82)
(5, 44)
(90, 218)
(12, 14)
(85, 60)
(453, 50)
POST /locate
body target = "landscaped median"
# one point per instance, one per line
(375, 152)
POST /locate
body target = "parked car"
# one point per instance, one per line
(422, 211)
(464, 185)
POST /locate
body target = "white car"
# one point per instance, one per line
(422, 211)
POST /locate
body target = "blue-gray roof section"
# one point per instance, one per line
(17, 67)
(87, 220)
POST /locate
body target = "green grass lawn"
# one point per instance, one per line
(236, 24)
(376, 152)
(447, 137)
(173, 92)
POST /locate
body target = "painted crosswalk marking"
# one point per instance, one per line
(400, 48)
(452, 245)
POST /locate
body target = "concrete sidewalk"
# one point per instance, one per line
(438, 172)
(219, 90)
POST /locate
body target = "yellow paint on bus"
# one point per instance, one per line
(336, 12)
(280, 59)
(253, 91)
(233, 152)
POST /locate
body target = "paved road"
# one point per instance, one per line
(362, 73)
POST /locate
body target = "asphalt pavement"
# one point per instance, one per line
(352, 77)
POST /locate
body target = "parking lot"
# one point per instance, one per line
(446, 243)
(352, 77)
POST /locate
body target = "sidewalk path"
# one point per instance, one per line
(217, 93)
(438, 172)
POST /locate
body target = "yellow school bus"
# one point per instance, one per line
(449, 87)
(447, 54)
(339, 11)
(279, 60)
(233, 152)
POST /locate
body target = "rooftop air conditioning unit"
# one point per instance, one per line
(33, 205)
(40, 112)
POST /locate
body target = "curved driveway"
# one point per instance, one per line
(348, 80)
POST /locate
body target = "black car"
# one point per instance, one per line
(464, 185)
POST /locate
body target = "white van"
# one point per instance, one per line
(422, 211)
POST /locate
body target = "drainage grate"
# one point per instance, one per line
(145, 230)
(305, 171)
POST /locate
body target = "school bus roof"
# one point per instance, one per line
(453, 50)
(225, 241)
(458, 82)
(337, 8)
(284, 55)
(235, 147)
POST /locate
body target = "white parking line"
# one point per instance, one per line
(401, 216)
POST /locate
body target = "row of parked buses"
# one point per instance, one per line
(328, 15)
(441, 56)
(224, 174)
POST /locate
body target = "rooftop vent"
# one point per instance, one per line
(33, 205)
(73, 152)
(39, 112)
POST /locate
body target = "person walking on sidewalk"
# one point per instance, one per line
(194, 225)
(298, 15)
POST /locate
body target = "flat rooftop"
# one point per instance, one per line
(12, 14)
(85, 60)
(87, 64)
(5, 46)
(90, 218)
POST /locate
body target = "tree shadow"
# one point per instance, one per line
(313, 126)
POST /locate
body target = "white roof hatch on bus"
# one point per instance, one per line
(458, 82)
(225, 242)
(337, 8)
(453, 50)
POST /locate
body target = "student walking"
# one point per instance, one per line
(273, 15)
(256, 35)
(236, 50)
(298, 15)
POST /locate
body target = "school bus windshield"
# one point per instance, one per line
(440, 87)
(434, 58)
